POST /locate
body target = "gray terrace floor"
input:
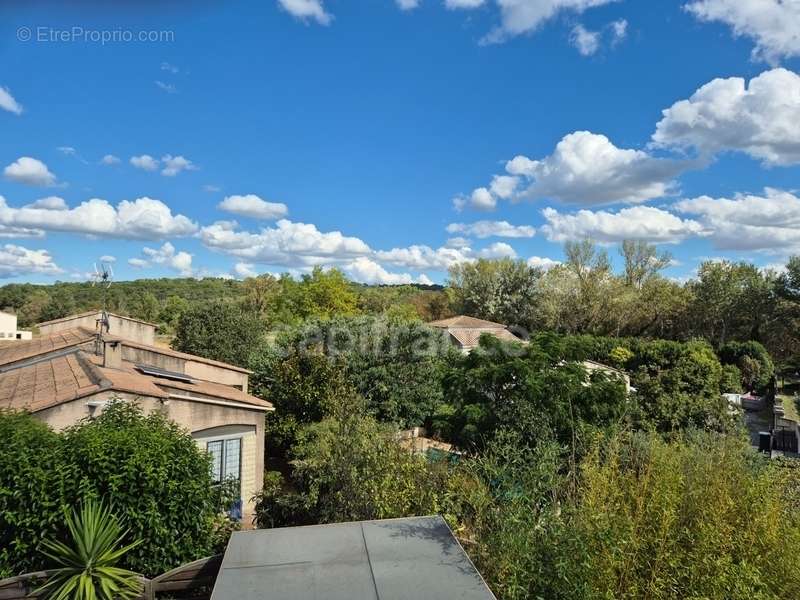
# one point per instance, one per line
(394, 559)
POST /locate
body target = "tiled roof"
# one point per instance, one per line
(17, 351)
(465, 322)
(48, 383)
(469, 338)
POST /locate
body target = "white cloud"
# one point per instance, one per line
(307, 10)
(619, 31)
(497, 250)
(67, 150)
(167, 87)
(143, 218)
(110, 159)
(175, 164)
(463, 4)
(29, 171)
(107, 258)
(166, 256)
(484, 229)
(503, 186)
(457, 242)
(8, 103)
(480, 199)
(586, 168)
(286, 244)
(420, 257)
(365, 270)
(544, 263)
(211, 189)
(49, 203)
(748, 222)
(16, 261)
(407, 4)
(165, 66)
(243, 270)
(518, 17)
(636, 222)
(772, 24)
(587, 42)
(254, 207)
(145, 162)
(725, 114)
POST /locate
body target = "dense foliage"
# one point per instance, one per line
(151, 471)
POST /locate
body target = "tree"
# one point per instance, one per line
(60, 304)
(502, 290)
(219, 331)
(172, 311)
(642, 261)
(325, 294)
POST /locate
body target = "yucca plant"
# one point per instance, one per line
(87, 561)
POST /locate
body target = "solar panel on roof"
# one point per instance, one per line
(163, 373)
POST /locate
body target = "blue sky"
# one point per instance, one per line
(393, 138)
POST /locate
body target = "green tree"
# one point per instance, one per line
(60, 304)
(642, 261)
(502, 290)
(219, 331)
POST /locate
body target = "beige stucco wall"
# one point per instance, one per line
(201, 419)
(196, 369)
(128, 329)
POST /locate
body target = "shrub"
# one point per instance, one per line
(33, 480)
(156, 478)
(731, 381)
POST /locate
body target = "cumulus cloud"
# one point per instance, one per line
(366, 270)
(636, 222)
(145, 162)
(725, 114)
(49, 203)
(107, 258)
(585, 41)
(772, 24)
(463, 4)
(543, 263)
(143, 218)
(7, 102)
(480, 199)
(421, 257)
(243, 270)
(519, 17)
(175, 164)
(16, 261)
(770, 222)
(29, 171)
(484, 229)
(110, 159)
(307, 10)
(457, 242)
(497, 250)
(166, 256)
(253, 207)
(286, 244)
(588, 169)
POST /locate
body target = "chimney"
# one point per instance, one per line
(112, 354)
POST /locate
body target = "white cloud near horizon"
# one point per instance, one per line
(484, 229)
(17, 261)
(772, 24)
(760, 119)
(143, 218)
(252, 206)
(29, 171)
(8, 103)
(166, 256)
(636, 222)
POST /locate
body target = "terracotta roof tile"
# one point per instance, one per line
(466, 322)
(469, 338)
(17, 351)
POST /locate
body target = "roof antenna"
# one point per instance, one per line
(102, 277)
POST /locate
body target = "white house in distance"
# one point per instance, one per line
(8, 328)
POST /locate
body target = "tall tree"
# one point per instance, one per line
(642, 261)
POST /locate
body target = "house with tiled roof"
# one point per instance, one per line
(70, 374)
(465, 332)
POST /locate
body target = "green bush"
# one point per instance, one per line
(731, 381)
(34, 479)
(151, 472)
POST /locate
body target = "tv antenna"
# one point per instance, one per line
(103, 277)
